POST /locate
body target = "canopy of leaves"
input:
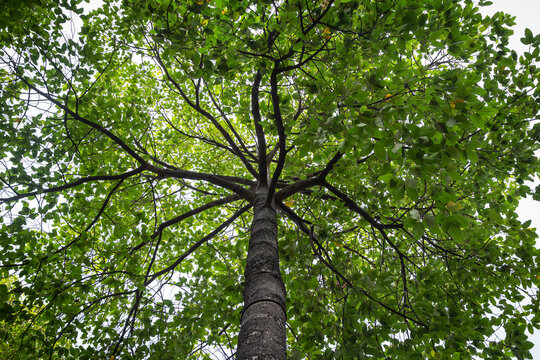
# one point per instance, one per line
(397, 137)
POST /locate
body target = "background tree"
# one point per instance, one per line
(160, 156)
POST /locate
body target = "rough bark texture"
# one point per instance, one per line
(262, 328)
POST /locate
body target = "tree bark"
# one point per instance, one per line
(262, 326)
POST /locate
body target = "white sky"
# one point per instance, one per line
(527, 13)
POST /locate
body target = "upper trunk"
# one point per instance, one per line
(262, 327)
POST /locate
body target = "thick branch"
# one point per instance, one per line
(198, 243)
(219, 180)
(300, 223)
(207, 115)
(381, 227)
(92, 124)
(261, 141)
(211, 204)
(188, 214)
(319, 18)
(281, 134)
(357, 209)
(305, 61)
(235, 133)
(330, 165)
(318, 179)
(74, 184)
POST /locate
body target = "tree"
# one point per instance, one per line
(351, 167)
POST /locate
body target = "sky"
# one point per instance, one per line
(527, 16)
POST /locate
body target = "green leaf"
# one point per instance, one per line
(455, 232)
(380, 151)
(418, 230)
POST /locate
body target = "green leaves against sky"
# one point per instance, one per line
(398, 136)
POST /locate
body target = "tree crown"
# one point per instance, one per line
(395, 138)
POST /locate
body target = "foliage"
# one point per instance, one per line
(397, 135)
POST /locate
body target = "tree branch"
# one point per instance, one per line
(319, 18)
(235, 133)
(198, 244)
(179, 218)
(92, 124)
(222, 181)
(207, 115)
(357, 209)
(300, 223)
(261, 140)
(318, 178)
(281, 134)
(305, 61)
(74, 184)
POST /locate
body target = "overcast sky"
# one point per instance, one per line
(527, 13)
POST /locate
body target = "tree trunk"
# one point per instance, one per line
(262, 326)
